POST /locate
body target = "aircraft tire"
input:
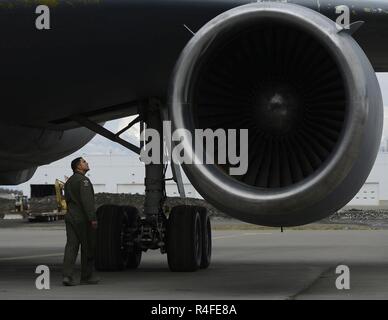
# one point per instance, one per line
(206, 238)
(111, 253)
(184, 239)
(134, 255)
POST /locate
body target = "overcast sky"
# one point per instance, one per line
(100, 145)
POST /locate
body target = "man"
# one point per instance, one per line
(81, 225)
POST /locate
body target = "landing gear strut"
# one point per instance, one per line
(122, 235)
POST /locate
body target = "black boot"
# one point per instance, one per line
(91, 280)
(68, 282)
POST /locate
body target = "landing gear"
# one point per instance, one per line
(122, 236)
(184, 239)
(206, 238)
(135, 252)
(189, 244)
(116, 248)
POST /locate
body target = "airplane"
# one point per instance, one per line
(289, 71)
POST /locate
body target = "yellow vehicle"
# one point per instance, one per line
(53, 214)
(60, 194)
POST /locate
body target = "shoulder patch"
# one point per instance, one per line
(86, 183)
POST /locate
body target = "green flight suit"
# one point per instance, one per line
(79, 194)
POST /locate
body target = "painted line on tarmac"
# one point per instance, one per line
(257, 233)
(32, 257)
(61, 254)
(226, 237)
(241, 235)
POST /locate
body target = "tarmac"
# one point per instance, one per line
(246, 264)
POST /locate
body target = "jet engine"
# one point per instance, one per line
(24, 148)
(308, 96)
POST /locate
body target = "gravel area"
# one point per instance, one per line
(375, 219)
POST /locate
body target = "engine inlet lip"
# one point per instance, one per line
(208, 178)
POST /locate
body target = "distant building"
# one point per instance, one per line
(374, 193)
(384, 145)
(125, 174)
(7, 196)
(109, 173)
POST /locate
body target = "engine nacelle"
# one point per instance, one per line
(23, 149)
(309, 97)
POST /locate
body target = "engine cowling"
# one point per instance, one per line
(23, 149)
(309, 97)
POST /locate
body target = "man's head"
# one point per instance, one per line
(80, 165)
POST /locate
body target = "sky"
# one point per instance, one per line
(100, 145)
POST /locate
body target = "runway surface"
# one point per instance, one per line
(246, 265)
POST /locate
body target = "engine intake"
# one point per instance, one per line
(308, 96)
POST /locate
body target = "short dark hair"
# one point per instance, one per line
(75, 163)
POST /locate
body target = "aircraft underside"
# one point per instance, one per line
(301, 84)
